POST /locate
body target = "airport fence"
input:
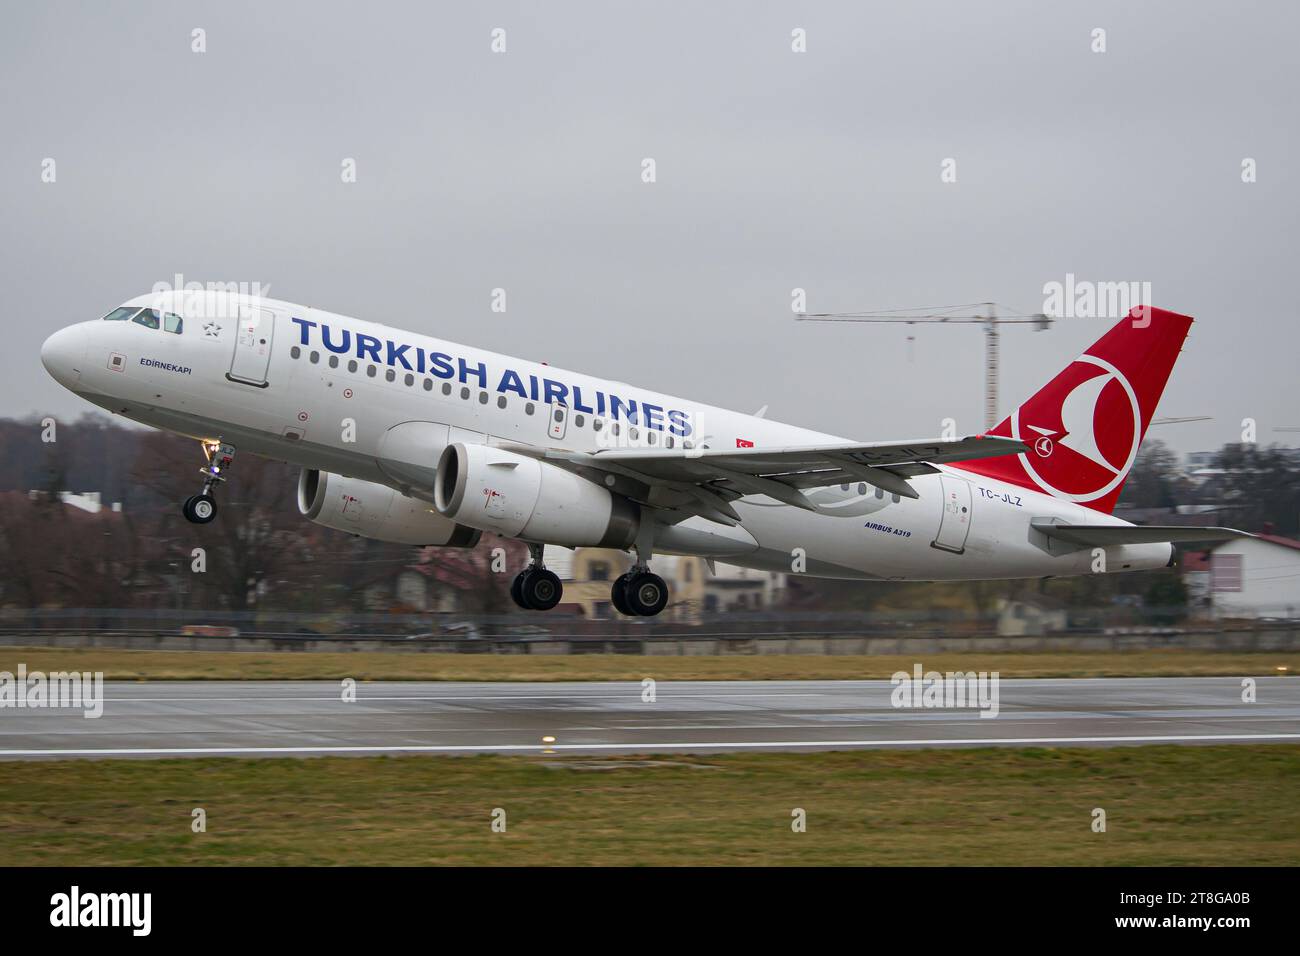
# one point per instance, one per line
(787, 632)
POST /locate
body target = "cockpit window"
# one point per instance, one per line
(172, 323)
(122, 314)
(149, 318)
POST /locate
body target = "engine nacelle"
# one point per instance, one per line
(376, 511)
(521, 497)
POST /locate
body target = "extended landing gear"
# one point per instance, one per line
(639, 593)
(202, 508)
(535, 588)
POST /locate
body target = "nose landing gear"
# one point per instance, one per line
(202, 508)
(535, 588)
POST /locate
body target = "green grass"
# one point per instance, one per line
(373, 665)
(1165, 806)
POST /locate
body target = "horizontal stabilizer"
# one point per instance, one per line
(1108, 535)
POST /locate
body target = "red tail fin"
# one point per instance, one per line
(1084, 426)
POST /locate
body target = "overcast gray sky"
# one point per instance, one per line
(775, 170)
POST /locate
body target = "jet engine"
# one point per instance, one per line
(376, 511)
(520, 497)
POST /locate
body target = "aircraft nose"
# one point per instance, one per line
(64, 354)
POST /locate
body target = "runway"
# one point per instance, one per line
(298, 718)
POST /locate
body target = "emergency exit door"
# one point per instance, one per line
(559, 421)
(253, 341)
(954, 522)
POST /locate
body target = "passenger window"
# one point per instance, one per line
(352, 365)
(428, 385)
(149, 318)
(390, 375)
(173, 323)
(464, 394)
(482, 398)
(528, 409)
(410, 380)
(314, 358)
(501, 401)
(334, 361)
(578, 420)
(446, 388)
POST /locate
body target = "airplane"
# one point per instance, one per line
(410, 439)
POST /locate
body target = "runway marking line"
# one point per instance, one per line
(636, 747)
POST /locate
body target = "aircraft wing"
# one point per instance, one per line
(704, 481)
(1107, 535)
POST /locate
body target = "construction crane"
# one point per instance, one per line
(952, 315)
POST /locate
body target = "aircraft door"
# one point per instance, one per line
(954, 522)
(253, 341)
(559, 421)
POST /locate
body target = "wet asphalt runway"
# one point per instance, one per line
(297, 718)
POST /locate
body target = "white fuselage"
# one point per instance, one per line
(379, 403)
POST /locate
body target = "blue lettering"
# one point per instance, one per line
(510, 383)
(556, 392)
(347, 340)
(480, 370)
(440, 365)
(616, 403)
(368, 345)
(652, 416)
(680, 423)
(577, 401)
(304, 325)
(398, 355)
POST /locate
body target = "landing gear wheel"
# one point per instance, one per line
(646, 594)
(202, 508)
(516, 590)
(199, 509)
(541, 589)
(618, 594)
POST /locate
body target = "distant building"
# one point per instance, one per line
(1195, 570)
(1031, 614)
(1253, 577)
(588, 574)
(91, 502)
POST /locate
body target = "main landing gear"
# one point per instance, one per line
(202, 508)
(535, 588)
(639, 592)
